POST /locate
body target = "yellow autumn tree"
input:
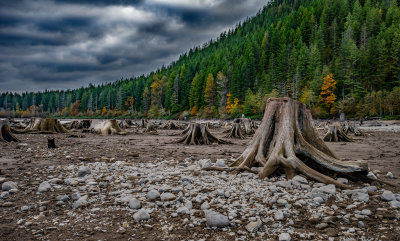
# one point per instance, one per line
(231, 107)
(210, 92)
(327, 95)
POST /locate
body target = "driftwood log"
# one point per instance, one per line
(5, 132)
(287, 141)
(199, 134)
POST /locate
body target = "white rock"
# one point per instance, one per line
(388, 196)
(205, 206)
(394, 204)
(284, 237)
(204, 163)
(300, 179)
(220, 163)
(134, 204)
(215, 219)
(167, 196)
(366, 212)
(141, 215)
(253, 226)
(7, 186)
(152, 195)
(81, 202)
(279, 215)
(371, 175)
(360, 196)
(390, 175)
(83, 171)
(330, 189)
(44, 187)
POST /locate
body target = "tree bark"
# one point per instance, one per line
(199, 134)
(287, 141)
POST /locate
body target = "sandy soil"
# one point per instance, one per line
(26, 161)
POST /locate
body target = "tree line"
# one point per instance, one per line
(333, 55)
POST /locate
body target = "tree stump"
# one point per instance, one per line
(5, 132)
(199, 134)
(170, 125)
(236, 132)
(106, 127)
(78, 124)
(335, 134)
(287, 141)
(43, 126)
(247, 125)
(150, 128)
(144, 123)
(351, 127)
(51, 143)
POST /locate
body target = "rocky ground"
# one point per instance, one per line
(144, 187)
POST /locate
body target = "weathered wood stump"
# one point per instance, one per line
(199, 134)
(236, 131)
(106, 127)
(287, 141)
(51, 143)
(335, 134)
(5, 132)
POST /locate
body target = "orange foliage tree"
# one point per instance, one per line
(231, 107)
(327, 95)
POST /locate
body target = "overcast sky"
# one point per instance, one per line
(63, 44)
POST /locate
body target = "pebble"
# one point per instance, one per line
(284, 237)
(81, 202)
(215, 219)
(253, 226)
(141, 215)
(279, 215)
(63, 198)
(44, 187)
(134, 204)
(390, 175)
(7, 186)
(153, 195)
(388, 196)
(167, 196)
(84, 171)
(366, 212)
(4, 195)
(205, 206)
(220, 163)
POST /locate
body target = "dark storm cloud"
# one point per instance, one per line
(71, 43)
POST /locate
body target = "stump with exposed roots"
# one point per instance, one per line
(336, 134)
(78, 124)
(106, 127)
(287, 141)
(42, 126)
(351, 127)
(199, 134)
(151, 128)
(5, 132)
(170, 125)
(236, 132)
(247, 124)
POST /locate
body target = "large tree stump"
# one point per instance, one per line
(236, 132)
(78, 124)
(199, 134)
(170, 125)
(106, 127)
(247, 124)
(335, 134)
(287, 141)
(150, 128)
(43, 126)
(5, 132)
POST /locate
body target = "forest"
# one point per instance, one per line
(336, 56)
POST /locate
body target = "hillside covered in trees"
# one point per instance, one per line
(333, 55)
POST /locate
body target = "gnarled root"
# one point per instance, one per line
(5, 132)
(336, 134)
(199, 134)
(236, 132)
(287, 141)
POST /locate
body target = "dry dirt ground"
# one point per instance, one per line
(29, 215)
